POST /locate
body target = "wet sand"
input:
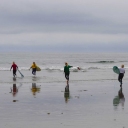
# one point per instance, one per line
(93, 104)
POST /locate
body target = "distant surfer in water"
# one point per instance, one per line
(15, 67)
(121, 74)
(67, 72)
(33, 68)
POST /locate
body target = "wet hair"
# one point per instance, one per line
(66, 63)
(122, 66)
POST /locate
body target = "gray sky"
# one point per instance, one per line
(64, 25)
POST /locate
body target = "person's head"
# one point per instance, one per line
(122, 66)
(66, 64)
(34, 63)
(13, 62)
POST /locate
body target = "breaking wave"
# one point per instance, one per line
(61, 69)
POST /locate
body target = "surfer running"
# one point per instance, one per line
(121, 74)
(33, 68)
(15, 67)
(67, 72)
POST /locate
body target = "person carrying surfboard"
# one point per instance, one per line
(121, 74)
(33, 68)
(67, 72)
(15, 67)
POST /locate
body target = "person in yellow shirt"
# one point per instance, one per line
(33, 68)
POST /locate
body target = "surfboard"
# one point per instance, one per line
(38, 68)
(21, 74)
(116, 69)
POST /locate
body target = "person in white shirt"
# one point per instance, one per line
(121, 75)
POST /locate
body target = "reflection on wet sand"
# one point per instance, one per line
(120, 99)
(67, 94)
(35, 89)
(14, 89)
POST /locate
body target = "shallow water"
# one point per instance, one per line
(93, 66)
(93, 100)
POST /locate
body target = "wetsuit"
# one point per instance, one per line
(67, 72)
(121, 75)
(14, 66)
(34, 69)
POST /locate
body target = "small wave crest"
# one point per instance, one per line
(93, 68)
(53, 68)
(123, 61)
(61, 69)
(102, 62)
(4, 69)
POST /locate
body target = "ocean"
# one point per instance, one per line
(94, 66)
(94, 98)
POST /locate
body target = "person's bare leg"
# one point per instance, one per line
(67, 82)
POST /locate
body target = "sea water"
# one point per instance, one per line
(42, 101)
(94, 66)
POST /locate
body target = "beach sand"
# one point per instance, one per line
(87, 104)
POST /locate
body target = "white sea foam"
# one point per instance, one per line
(55, 68)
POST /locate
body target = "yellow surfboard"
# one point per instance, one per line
(38, 68)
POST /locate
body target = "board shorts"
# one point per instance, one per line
(120, 77)
(14, 72)
(67, 76)
(34, 71)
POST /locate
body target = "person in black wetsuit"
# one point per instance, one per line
(121, 74)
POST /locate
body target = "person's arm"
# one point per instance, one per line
(10, 68)
(30, 67)
(64, 69)
(70, 66)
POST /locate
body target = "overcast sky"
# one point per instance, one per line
(64, 25)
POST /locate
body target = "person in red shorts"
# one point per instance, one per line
(15, 67)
